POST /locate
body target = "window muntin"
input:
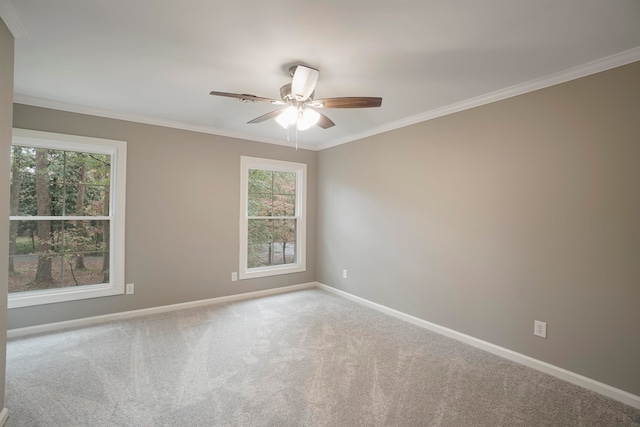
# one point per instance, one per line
(67, 218)
(273, 218)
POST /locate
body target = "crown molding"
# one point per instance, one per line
(12, 20)
(80, 109)
(597, 66)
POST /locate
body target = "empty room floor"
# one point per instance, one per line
(304, 358)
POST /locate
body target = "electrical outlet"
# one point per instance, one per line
(344, 274)
(234, 276)
(129, 288)
(540, 329)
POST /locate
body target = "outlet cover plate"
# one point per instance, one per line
(540, 329)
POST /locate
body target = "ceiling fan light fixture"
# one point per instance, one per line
(298, 97)
(288, 117)
(307, 119)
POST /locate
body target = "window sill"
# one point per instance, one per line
(50, 296)
(275, 270)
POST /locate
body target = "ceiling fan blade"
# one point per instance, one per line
(247, 98)
(304, 82)
(269, 115)
(347, 102)
(325, 122)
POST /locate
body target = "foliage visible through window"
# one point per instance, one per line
(273, 220)
(60, 225)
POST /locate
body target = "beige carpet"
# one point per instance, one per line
(306, 358)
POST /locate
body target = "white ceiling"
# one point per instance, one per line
(156, 61)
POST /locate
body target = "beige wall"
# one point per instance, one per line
(182, 220)
(485, 220)
(6, 114)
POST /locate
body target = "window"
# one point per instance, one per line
(66, 230)
(273, 217)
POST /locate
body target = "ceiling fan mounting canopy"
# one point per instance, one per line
(298, 96)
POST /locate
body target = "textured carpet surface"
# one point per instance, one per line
(306, 358)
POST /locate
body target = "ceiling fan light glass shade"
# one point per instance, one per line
(307, 119)
(288, 117)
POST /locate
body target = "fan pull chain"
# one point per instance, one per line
(289, 136)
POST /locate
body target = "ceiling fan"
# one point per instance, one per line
(297, 97)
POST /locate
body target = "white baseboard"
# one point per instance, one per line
(3, 416)
(76, 323)
(572, 377)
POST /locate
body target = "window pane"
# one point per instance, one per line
(260, 231)
(258, 255)
(258, 205)
(84, 236)
(260, 181)
(85, 199)
(48, 189)
(23, 181)
(31, 180)
(87, 180)
(284, 205)
(84, 268)
(285, 241)
(284, 183)
(33, 237)
(46, 254)
(50, 182)
(23, 237)
(34, 272)
(260, 198)
(271, 193)
(271, 242)
(87, 168)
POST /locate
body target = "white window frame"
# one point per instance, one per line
(118, 152)
(300, 169)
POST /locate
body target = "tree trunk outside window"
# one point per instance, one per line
(16, 181)
(43, 200)
(80, 208)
